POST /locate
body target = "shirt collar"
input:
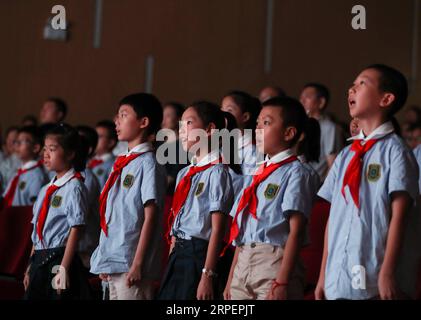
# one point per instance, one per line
(64, 179)
(29, 164)
(105, 157)
(281, 156)
(378, 133)
(140, 148)
(209, 158)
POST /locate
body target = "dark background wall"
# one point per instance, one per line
(201, 48)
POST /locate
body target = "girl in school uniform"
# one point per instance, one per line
(55, 272)
(245, 109)
(202, 200)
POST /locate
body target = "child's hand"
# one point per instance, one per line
(26, 281)
(227, 292)
(133, 276)
(319, 292)
(205, 289)
(103, 277)
(278, 293)
(388, 289)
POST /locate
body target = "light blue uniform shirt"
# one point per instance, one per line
(90, 235)
(330, 143)
(211, 191)
(68, 207)
(29, 185)
(103, 170)
(357, 238)
(285, 190)
(8, 168)
(417, 153)
(141, 181)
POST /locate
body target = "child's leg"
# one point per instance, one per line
(240, 289)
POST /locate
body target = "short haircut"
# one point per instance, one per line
(293, 114)
(392, 81)
(110, 127)
(321, 90)
(34, 132)
(146, 105)
(61, 106)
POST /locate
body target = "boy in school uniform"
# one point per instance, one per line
(372, 244)
(131, 204)
(102, 162)
(315, 99)
(271, 213)
(24, 187)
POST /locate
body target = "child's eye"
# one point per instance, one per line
(362, 82)
(266, 122)
(189, 122)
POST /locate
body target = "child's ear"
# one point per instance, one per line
(387, 99)
(143, 122)
(290, 133)
(246, 117)
(322, 103)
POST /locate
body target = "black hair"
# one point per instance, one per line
(34, 132)
(392, 81)
(321, 90)
(70, 140)
(31, 118)
(396, 126)
(61, 106)
(11, 129)
(231, 124)
(209, 112)
(89, 137)
(146, 105)
(247, 103)
(110, 127)
(178, 107)
(45, 128)
(280, 93)
(310, 145)
(293, 114)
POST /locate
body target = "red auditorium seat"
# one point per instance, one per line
(312, 254)
(11, 289)
(15, 240)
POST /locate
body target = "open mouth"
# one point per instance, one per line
(351, 102)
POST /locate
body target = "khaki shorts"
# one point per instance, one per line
(257, 267)
(145, 290)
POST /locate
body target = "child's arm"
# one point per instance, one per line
(205, 289)
(227, 294)
(319, 292)
(172, 245)
(388, 288)
(26, 277)
(135, 272)
(291, 251)
(69, 252)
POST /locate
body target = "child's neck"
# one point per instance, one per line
(275, 152)
(135, 142)
(25, 161)
(61, 173)
(200, 154)
(102, 153)
(316, 115)
(371, 124)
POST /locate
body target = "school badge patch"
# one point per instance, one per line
(199, 189)
(271, 191)
(22, 185)
(56, 202)
(373, 172)
(128, 181)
